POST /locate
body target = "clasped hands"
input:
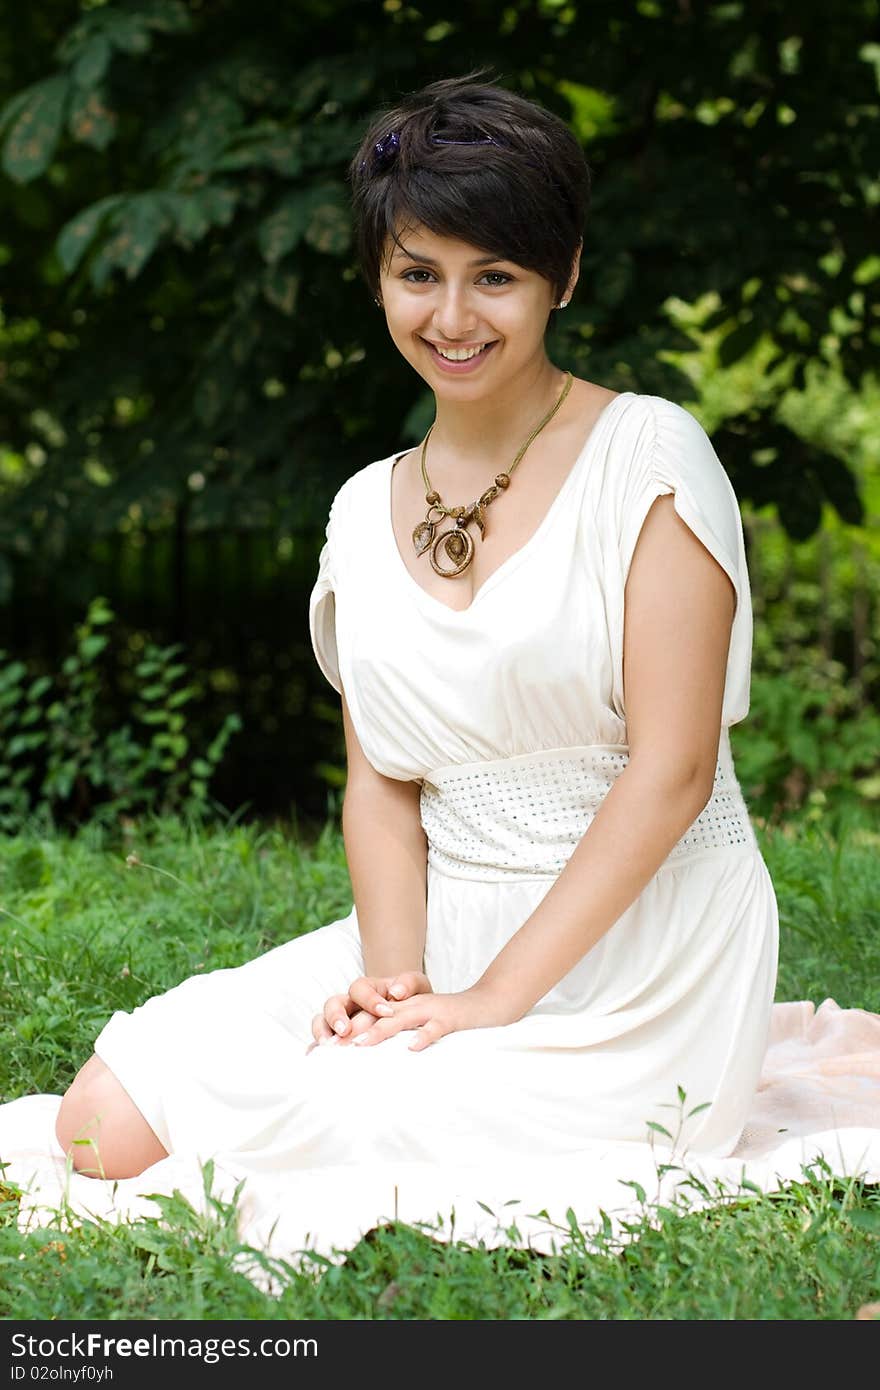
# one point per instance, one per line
(377, 1007)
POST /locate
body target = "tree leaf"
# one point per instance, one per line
(283, 229)
(139, 224)
(34, 133)
(329, 227)
(12, 107)
(196, 213)
(77, 235)
(166, 16)
(127, 32)
(281, 288)
(265, 145)
(92, 646)
(92, 62)
(91, 121)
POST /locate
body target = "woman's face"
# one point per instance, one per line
(447, 294)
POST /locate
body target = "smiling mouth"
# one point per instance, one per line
(459, 354)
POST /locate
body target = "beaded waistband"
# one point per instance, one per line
(523, 816)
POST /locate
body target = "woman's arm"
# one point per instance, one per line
(387, 855)
(641, 819)
(679, 608)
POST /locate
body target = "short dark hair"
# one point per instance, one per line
(471, 160)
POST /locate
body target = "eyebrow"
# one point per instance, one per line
(483, 260)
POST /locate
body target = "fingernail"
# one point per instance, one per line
(327, 1042)
(360, 1041)
(384, 1009)
(340, 1025)
(398, 991)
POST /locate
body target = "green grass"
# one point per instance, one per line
(103, 920)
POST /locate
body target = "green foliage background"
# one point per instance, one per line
(191, 360)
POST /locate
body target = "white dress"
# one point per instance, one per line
(510, 714)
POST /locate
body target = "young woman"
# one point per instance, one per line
(538, 622)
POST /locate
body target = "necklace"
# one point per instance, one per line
(457, 542)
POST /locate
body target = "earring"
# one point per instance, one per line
(563, 304)
(378, 302)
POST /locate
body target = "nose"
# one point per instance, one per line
(454, 314)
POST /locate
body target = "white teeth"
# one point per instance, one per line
(460, 354)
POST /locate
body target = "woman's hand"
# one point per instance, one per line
(347, 1016)
(432, 1016)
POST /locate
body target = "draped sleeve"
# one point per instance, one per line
(670, 452)
(322, 603)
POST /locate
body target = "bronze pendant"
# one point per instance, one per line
(459, 547)
(423, 535)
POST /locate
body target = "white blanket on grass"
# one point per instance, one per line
(817, 1109)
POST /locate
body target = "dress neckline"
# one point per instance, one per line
(431, 600)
